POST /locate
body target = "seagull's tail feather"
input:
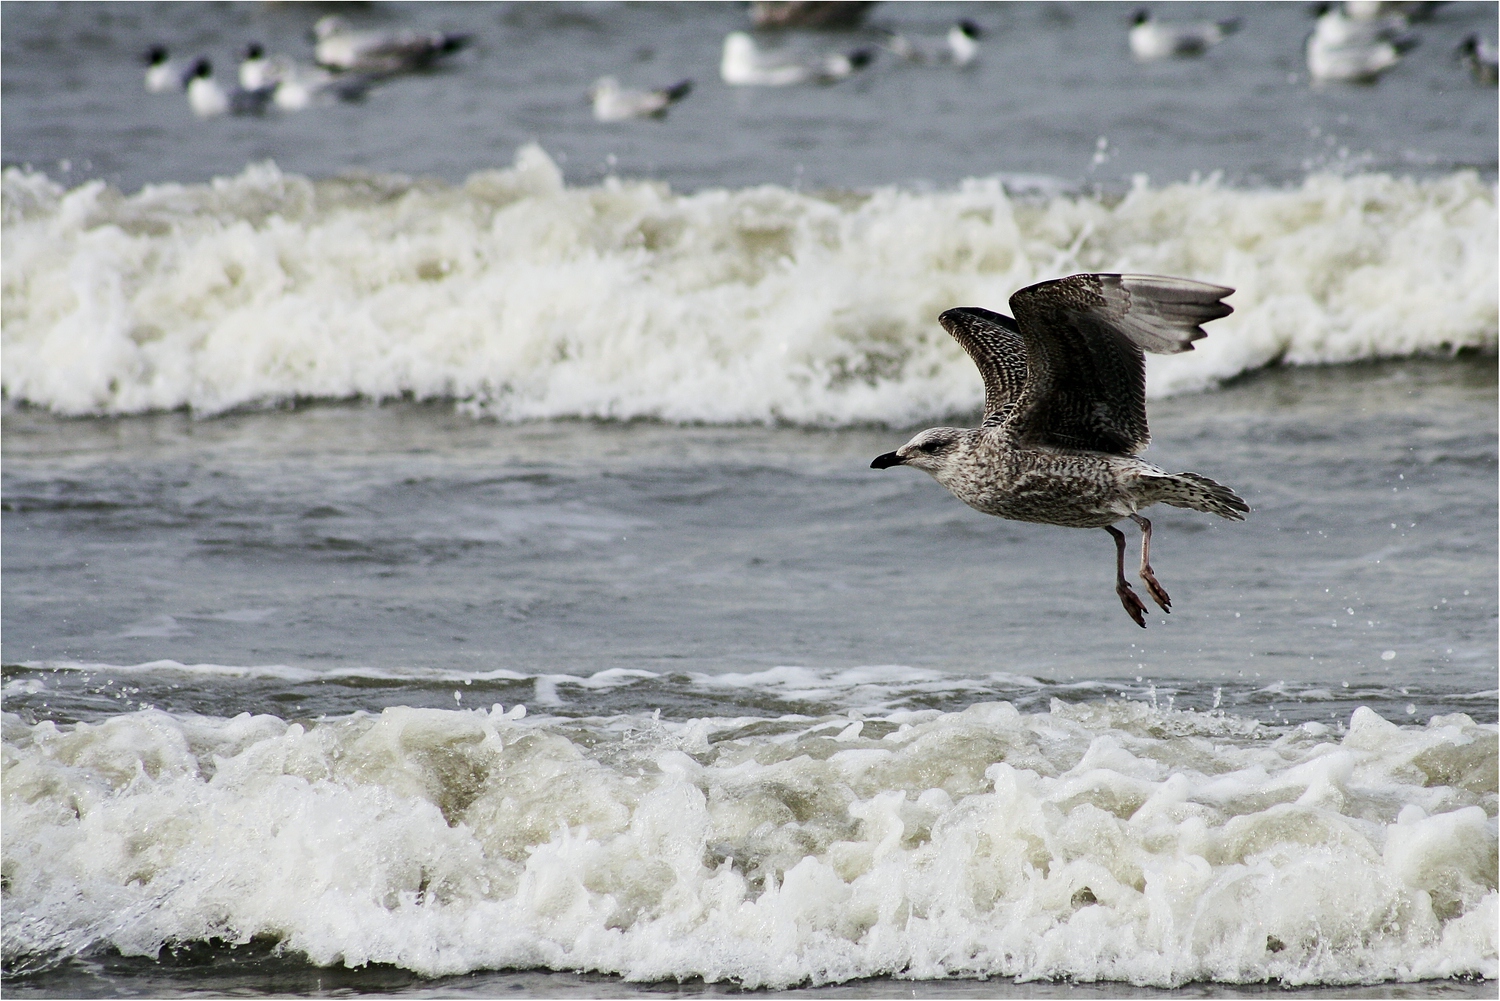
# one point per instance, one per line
(1200, 494)
(678, 90)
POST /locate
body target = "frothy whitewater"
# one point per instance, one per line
(527, 298)
(1109, 841)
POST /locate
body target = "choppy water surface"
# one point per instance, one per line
(421, 585)
(371, 556)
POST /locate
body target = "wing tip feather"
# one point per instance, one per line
(1182, 285)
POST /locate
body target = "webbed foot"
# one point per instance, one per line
(1153, 587)
(1132, 602)
(1157, 592)
(1134, 607)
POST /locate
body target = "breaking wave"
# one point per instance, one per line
(525, 298)
(1113, 841)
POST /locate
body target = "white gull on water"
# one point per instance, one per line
(339, 47)
(1152, 39)
(743, 64)
(613, 103)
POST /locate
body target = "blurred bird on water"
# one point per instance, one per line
(340, 47)
(164, 73)
(1151, 39)
(208, 99)
(613, 103)
(960, 46)
(1356, 44)
(743, 64)
(1479, 57)
(296, 86)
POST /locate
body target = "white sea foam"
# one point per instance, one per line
(1109, 841)
(527, 298)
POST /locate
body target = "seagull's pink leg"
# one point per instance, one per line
(1133, 606)
(1157, 592)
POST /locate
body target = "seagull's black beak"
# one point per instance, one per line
(887, 460)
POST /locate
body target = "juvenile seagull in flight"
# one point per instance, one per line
(1065, 411)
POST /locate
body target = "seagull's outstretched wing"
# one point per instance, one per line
(1086, 376)
(994, 342)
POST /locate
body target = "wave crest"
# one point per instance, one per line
(527, 298)
(1109, 841)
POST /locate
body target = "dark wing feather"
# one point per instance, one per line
(994, 342)
(1086, 385)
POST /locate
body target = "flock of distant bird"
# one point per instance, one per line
(1354, 41)
(744, 64)
(1351, 42)
(347, 63)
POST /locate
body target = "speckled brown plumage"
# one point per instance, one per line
(1065, 410)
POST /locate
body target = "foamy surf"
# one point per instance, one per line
(1109, 841)
(525, 298)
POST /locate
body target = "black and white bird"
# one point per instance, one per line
(613, 103)
(208, 99)
(258, 70)
(296, 86)
(960, 46)
(163, 73)
(1479, 56)
(1357, 46)
(1065, 411)
(1151, 39)
(340, 47)
(743, 64)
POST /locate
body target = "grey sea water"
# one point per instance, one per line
(657, 591)
(352, 542)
